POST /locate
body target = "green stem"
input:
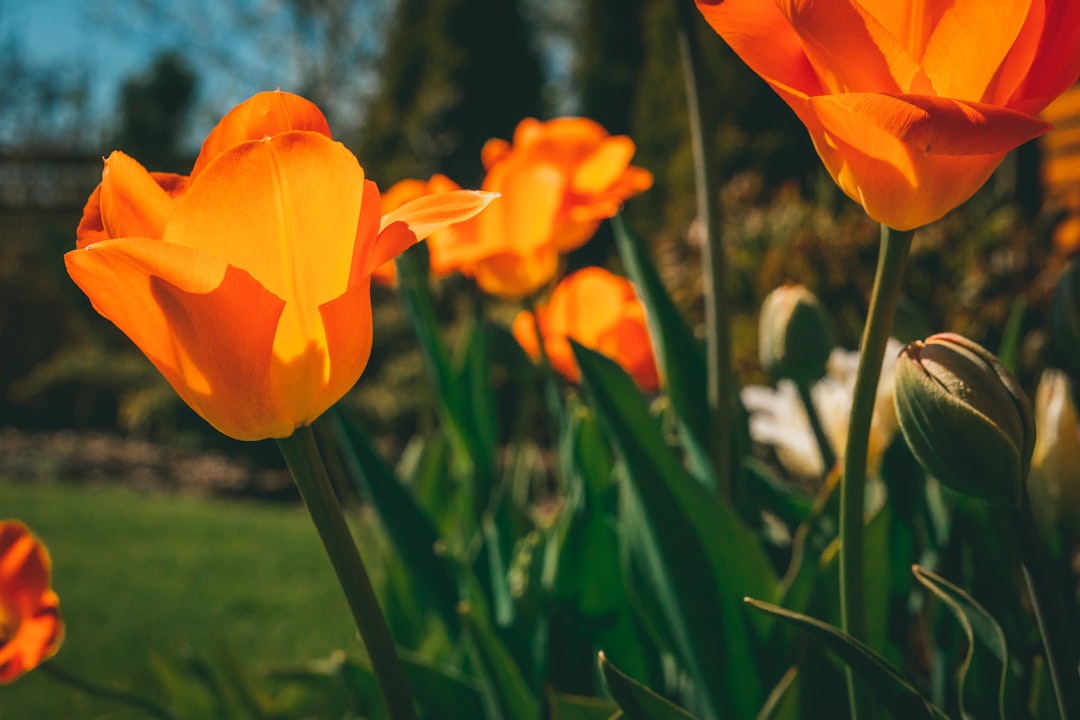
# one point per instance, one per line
(551, 384)
(828, 457)
(1053, 620)
(305, 463)
(721, 399)
(105, 692)
(892, 257)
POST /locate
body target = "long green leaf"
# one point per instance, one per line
(513, 699)
(408, 526)
(977, 624)
(636, 701)
(576, 707)
(679, 354)
(697, 555)
(886, 682)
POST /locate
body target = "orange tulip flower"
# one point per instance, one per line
(30, 627)
(911, 105)
(558, 180)
(406, 191)
(600, 311)
(247, 283)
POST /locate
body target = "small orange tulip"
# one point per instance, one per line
(557, 182)
(247, 284)
(30, 627)
(600, 311)
(406, 191)
(911, 105)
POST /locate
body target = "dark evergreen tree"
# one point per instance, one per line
(154, 109)
(455, 73)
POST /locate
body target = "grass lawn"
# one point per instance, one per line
(142, 575)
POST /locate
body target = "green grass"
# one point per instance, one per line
(145, 575)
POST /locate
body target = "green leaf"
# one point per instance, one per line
(679, 355)
(410, 529)
(442, 692)
(636, 701)
(505, 682)
(783, 701)
(977, 624)
(577, 707)
(886, 682)
(694, 551)
(454, 406)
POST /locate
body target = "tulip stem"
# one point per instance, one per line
(720, 387)
(105, 692)
(828, 457)
(306, 465)
(892, 258)
(1053, 620)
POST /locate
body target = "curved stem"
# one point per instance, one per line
(1053, 620)
(892, 257)
(828, 457)
(720, 390)
(306, 465)
(105, 692)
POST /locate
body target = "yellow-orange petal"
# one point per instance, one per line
(762, 36)
(601, 169)
(968, 44)
(30, 627)
(263, 115)
(850, 50)
(285, 209)
(897, 184)
(404, 226)
(208, 327)
(1043, 61)
(131, 201)
(512, 276)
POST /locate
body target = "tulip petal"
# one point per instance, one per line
(132, 203)
(511, 275)
(30, 627)
(404, 226)
(762, 36)
(850, 50)
(208, 328)
(604, 166)
(264, 115)
(285, 209)
(968, 45)
(905, 170)
(1043, 61)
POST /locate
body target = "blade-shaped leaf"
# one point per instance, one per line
(679, 355)
(977, 624)
(511, 694)
(636, 701)
(408, 526)
(577, 707)
(699, 558)
(886, 682)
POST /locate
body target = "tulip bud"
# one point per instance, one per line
(794, 341)
(965, 417)
(1065, 321)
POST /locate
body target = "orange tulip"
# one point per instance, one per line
(558, 180)
(247, 284)
(406, 191)
(600, 311)
(911, 105)
(30, 627)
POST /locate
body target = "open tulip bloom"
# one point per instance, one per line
(30, 627)
(910, 105)
(247, 283)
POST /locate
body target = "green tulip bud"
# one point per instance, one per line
(1065, 321)
(794, 341)
(965, 417)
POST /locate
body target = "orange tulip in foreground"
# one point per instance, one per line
(558, 180)
(600, 311)
(911, 105)
(30, 626)
(247, 283)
